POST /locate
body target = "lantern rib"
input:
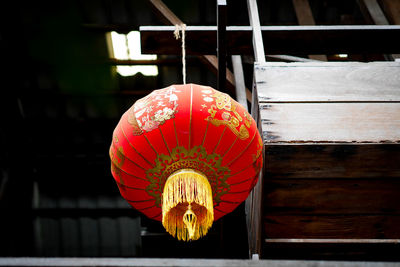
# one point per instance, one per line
(145, 208)
(244, 150)
(241, 182)
(113, 144)
(159, 214)
(190, 115)
(231, 202)
(165, 142)
(248, 166)
(130, 174)
(130, 187)
(221, 210)
(239, 192)
(176, 134)
(220, 138)
(226, 152)
(205, 133)
(155, 151)
(139, 201)
(123, 132)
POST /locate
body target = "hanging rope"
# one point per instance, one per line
(177, 35)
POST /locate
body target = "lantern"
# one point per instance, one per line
(186, 155)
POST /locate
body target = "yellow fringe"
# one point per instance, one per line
(187, 205)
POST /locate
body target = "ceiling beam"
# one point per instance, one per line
(201, 40)
(169, 17)
(374, 14)
(305, 17)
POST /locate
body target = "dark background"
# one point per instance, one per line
(61, 98)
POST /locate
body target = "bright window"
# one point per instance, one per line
(127, 46)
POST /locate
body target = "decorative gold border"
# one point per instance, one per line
(195, 158)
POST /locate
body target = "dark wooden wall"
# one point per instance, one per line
(331, 183)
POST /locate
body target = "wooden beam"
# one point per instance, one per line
(258, 44)
(239, 81)
(333, 249)
(308, 39)
(165, 13)
(305, 17)
(333, 241)
(392, 10)
(288, 58)
(221, 44)
(303, 12)
(151, 262)
(374, 14)
(210, 60)
(158, 61)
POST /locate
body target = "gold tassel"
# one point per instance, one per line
(187, 205)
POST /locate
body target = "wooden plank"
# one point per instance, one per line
(332, 196)
(308, 39)
(331, 123)
(332, 226)
(166, 15)
(221, 44)
(332, 249)
(373, 14)
(151, 262)
(254, 201)
(392, 9)
(288, 58)
(329, 81)
(331, 241)
(258, 44)
(305, 17)
(303, 12)
(239, 81)
(332, 161)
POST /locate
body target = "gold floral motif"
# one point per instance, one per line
(247, 119)
(257, 163)
(153, 110)
(229, 116)
(133, 122)
(223, 101)
(230, 121)
(117, 161)
(196, 158)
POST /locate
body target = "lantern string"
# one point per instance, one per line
(177, 35)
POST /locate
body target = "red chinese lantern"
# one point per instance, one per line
(186, 155)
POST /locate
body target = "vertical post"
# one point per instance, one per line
(258, 45)
(221, 44)
(254, 201)
(239, 81)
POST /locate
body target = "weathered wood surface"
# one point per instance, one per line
(329, 102)
(278, 39)
(331, 122)
(328, 82)
(317, 161)
(180, 262)
(331, 226)
(333, 249)
(332, 167)
(332, 196)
